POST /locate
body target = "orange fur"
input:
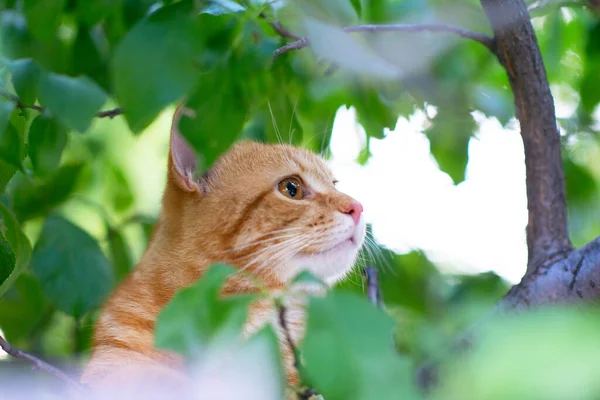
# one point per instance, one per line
(233, 214)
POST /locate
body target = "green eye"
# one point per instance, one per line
(291, 188)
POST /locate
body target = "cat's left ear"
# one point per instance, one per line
(182, 158)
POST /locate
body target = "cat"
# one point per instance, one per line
(271, 209)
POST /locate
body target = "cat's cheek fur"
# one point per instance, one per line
(330, 266)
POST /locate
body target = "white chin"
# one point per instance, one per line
(333, 265)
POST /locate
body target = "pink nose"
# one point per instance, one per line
(354, 209)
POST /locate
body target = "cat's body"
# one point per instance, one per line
(270, 209)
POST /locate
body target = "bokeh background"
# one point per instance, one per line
(435, 157)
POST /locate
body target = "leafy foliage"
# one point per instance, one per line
(67, 188)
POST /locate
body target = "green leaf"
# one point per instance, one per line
(590, 85)
(74, 101)
(94, 11)
(32, 199)
(306, 277)
(7, 259)
(494, 103)
(26, 74)
(196, 317)
(19, 244)
(373, 114)
(23, 308)
(349, 351)
(118, 191)
(7, 171)
(47, 140)
(218, 106)
(120, 255)
(11, 144)
(449, 140)
(548, 353)
(43, 17)
(156, 63)
(74, 273)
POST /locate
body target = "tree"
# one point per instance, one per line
(241, 65)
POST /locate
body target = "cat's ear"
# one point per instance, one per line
(182, 158)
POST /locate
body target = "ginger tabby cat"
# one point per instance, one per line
(270, 209)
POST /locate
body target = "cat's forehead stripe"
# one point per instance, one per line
(313, 169)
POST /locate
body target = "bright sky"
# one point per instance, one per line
(476, 226)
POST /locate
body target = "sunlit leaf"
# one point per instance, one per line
(74, 273)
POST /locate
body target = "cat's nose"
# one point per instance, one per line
(354, 209)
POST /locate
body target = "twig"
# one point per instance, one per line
(288, 336)
(305, 393)
(482, 38)
(283, 32)
(38, 364)
(373, 289)
(20, 105)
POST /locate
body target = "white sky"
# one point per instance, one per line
(476, 226)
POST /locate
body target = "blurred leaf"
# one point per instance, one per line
(74, 101)
(223, 111)
(306, 277)
(120, 255)
(119, 192)
(337, 12)
(94, 11)
(494, 103)
(590, 85)
(197, 317)
(7, 171)
(543, 354)
(220, 7)
(23, 308)
(157, 63)
(349, 352)
(7, 259)
(43, 17)
(74, 273)
(26, 74)
(449, 139)
(373, 114)
(19, 244)
(11, 144)
(32, 199)
(47, 140)
(344, 50)
(579, 181)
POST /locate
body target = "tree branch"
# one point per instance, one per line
(518, 51)
(102, 114)
(373, 289)
(39, 364)
(484, 39)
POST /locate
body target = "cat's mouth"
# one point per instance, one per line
(343, 245)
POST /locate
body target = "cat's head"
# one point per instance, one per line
(271, 209)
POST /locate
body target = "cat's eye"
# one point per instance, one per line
(291, 188)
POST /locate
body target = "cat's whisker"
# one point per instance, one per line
(291, 132)
(274, 121)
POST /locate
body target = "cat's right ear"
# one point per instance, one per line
(182, 158)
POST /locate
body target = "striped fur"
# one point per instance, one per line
(232, 214)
